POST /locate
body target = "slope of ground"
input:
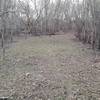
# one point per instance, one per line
(45, 68)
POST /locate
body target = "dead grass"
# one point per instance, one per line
(48, 61)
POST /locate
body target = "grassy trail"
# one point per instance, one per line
(42, 67)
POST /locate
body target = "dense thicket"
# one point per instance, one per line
(49, 16)
(35, 17)
(87, 22)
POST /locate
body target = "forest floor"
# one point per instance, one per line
(46, 68)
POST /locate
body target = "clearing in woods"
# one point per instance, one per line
(40, 68)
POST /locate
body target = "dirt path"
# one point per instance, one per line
(43, 68)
